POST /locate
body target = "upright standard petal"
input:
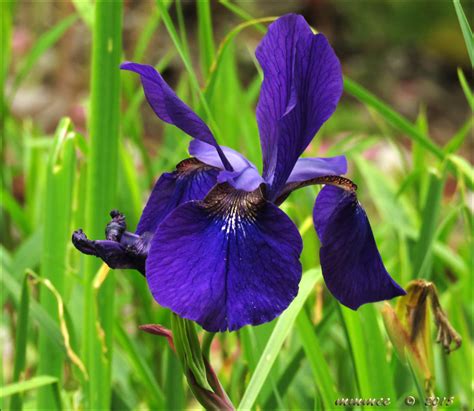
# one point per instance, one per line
(192, 180)
(301, 88)
(227, 261)
(352, 267)
(170, 108)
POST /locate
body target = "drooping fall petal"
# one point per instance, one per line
(351, 264)
(227, 261)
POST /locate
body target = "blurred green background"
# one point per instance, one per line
(78, 140)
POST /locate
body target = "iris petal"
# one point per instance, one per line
(191, 180)
(301, 88)
(227, 261)
(115, 254)
(245, 175)
(352, 267)
(170, 108)
(207, 154)
(306, 170)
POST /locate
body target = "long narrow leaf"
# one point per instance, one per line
(56, 236)
(391, 116)
(21, 340)
(319, 366)
(101, 194)
(466, 30)
(27, 385)
(280, 332)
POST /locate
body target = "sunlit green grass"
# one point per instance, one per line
(83, 350)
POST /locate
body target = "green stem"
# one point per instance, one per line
(101, 195)
(56, 237)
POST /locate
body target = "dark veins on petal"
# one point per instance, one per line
(227, 261)
(301, 88)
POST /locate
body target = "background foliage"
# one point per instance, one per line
(78, 140)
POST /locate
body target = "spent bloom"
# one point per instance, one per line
(212, 242)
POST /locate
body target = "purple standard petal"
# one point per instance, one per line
(245, 175)
(227, 261)
(192, 180)
(301, 88)
(207, 154)
(309, 171)
(170, 108)
(308, 168)
(352, 267)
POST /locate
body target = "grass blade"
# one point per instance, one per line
(101, 194)
(355, 337)
(141, 367)
(288, 374)
(32, 384)
(37, 311)
(21, 341)
(85, 8)
(205, 36)
(456, 142)
(391, 116)
(238, 11)
(466, 30)
(319, 366)
(279, 334)
(56, 236)
(429, 220)
(466, 89)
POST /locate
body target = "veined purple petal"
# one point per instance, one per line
(248, 179)
(170, 108)
(301, 88)
(307, 171)
(245, 175)
(208, 155)
(227, 261)
(352, 267)
(308, 168)
(192, 180)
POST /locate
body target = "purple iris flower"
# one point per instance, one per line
(212, 242)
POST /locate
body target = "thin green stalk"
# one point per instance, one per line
(466, 30)
(319, 366)
(391, 116)
(424, 245)
(21, 340)
(466, 88)
(205, 36)
(101, 196)
(32, 384)
(56, 236)
(140, 367)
